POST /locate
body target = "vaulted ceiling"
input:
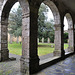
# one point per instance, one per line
(70, 4)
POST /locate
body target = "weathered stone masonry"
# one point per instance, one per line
(70, 33)
(29, 59)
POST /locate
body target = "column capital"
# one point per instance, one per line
(70, 29)
(25, 15)
(57, 25)
(24, 59)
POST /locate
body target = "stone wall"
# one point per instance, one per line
(29, 59)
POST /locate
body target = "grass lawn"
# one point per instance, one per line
(43, 49)
(65, 46)
(15, 48)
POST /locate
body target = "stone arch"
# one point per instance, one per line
(57, 25)
(70, 32)
(70, 21)
(54, 10)
(25, 33)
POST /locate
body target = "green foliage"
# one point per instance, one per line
(15, 22)
(65, 37)
(45, 28)
(41, 19)
(66, 46)
(15, 48)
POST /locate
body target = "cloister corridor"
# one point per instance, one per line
(60, 62)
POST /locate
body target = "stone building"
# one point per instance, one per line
(29, 60)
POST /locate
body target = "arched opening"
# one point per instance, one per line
(56, 27)
(68, 34)
(15, 30)
(45, 30)
(25, 33)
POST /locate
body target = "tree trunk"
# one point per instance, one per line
(10, 38)
(17, 40)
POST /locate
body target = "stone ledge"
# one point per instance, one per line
(57, 53)
(9, 59)
(48, 60)
(12, 59)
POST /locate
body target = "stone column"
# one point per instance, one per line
(38, 40)
(71, 39)
(24, 60)
(42, 40)
(0, 34)
(74, 37)
(34, 59)
(0, 27)
(4, 41)
(4, 53)
(58, 40)
(29, 60)
(48, 40)
(0, 41)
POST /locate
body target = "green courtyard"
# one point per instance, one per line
(43, 48)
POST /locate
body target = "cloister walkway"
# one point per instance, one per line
(64, 67)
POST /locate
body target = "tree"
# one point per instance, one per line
(45, 28)
(41, 19)
(66, 37)
(15, 22)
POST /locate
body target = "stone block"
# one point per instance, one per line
(57, 53)
(24, 66)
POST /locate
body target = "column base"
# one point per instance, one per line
(4, 54)
(0, 55)
(57, 53)
(70, 49)
(34, 64)
(24, 65)
(29, 66)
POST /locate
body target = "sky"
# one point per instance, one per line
(49, 14)
(15, 6)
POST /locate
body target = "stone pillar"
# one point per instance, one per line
(4, 42)
(48, 40)
(42, 40)
(4, 52)
(0, 27)
(58, 40)
(29, 60)
(71, 39)
(0, 41)
(38, 40)
(25, 58)
(0, 36)
(74, 37)
(34, 59)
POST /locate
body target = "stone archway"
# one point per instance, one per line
(1, 6)
(4, 31)
(70, 33)
(25, 33)
(56, 14)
